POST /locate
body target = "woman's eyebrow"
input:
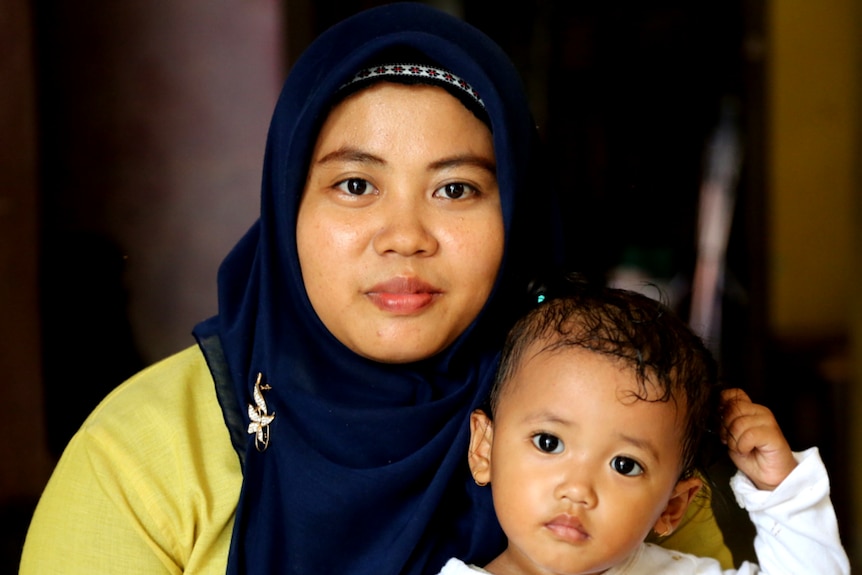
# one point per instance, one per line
(353, 155)
(357, 155)
(465, 159)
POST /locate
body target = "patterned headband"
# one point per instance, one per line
(418, 73)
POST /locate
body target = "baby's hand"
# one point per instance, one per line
(754, 440)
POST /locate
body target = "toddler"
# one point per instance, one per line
(598, 432)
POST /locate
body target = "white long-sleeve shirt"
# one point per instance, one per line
(796, 532)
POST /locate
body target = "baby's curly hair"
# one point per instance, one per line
(670, 361)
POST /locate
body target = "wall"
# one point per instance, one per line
(813, 78)
(24, 459)
(21, 419)
(154, 119)
(815, 227)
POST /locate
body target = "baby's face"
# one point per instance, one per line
(580, 470)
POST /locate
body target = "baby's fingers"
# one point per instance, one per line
(754, 440)
(753, 430)
(735, 404)
(748, 426)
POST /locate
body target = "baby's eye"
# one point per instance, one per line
(626, 466)
(548, 443)
(455, 191)
(355, 186)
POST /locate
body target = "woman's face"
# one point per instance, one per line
(400, 228)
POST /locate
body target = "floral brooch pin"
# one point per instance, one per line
(259, 415)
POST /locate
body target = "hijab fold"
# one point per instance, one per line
(365, 469)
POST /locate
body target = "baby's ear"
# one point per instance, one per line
(683, 494)
(479, 455)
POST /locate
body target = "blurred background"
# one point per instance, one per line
(710, 147)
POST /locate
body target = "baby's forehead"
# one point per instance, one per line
(576, 382)
(637, 384)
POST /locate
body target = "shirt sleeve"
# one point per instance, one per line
(148, 485)
(77, 528)
(797, 531)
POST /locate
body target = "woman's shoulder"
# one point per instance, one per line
(150, 477)
(178, 382)
(167, 412)
(160, 400)
(699, 534)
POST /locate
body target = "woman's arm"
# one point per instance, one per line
(148, 485)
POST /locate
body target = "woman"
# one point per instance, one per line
(359, 323)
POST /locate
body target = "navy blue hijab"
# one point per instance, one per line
(365, 467)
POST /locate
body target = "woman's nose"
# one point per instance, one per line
(404, 229)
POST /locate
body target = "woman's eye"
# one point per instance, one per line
(456, 191)
(548, 443)
(626, 466)
(355, 186)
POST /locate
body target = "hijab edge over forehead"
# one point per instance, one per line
(264, 266)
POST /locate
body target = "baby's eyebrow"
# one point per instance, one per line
(544, 416)
(643, 444)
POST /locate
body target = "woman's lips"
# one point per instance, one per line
(568, 528)
(403, 295)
